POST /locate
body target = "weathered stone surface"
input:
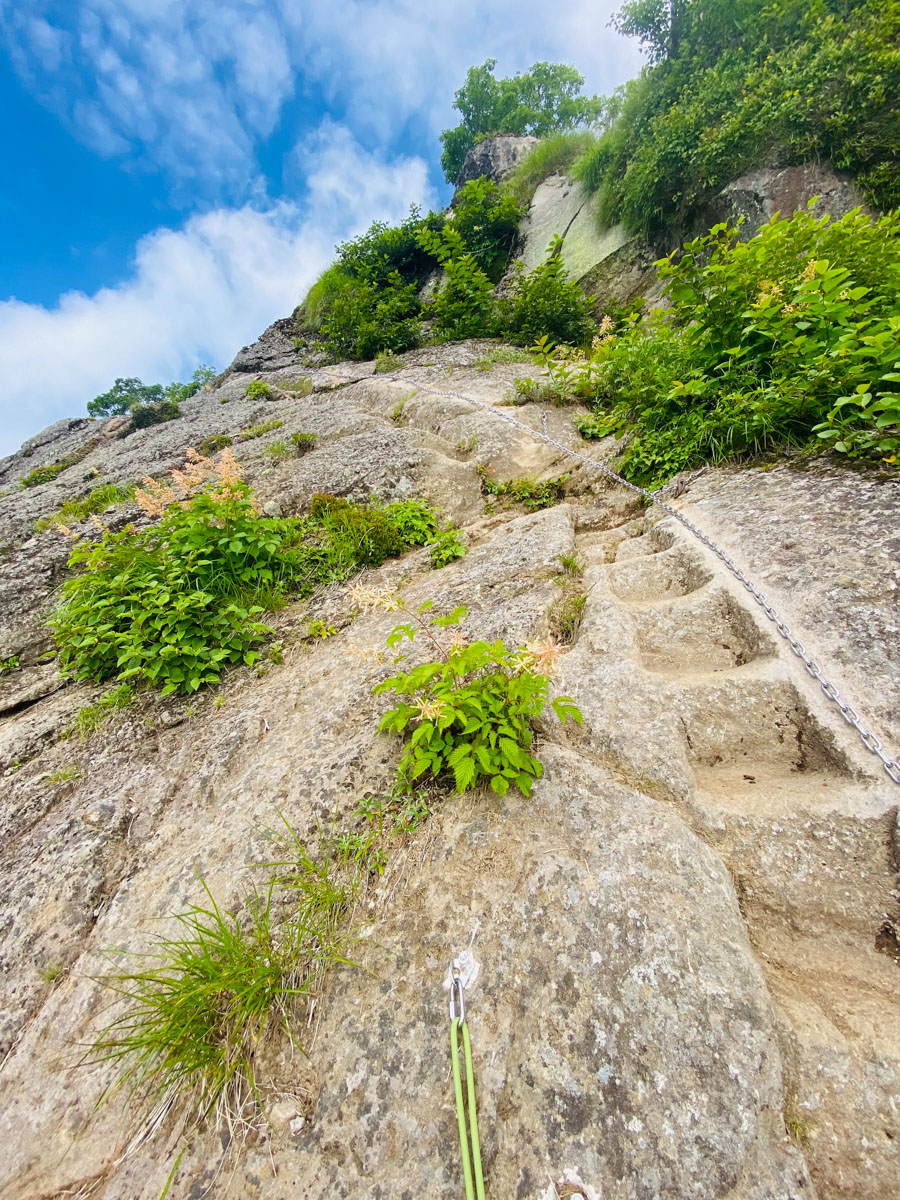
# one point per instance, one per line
(495, 158)
(758, 195)
(686, 933)
(612, 265)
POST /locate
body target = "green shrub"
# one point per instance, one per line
(545, 302)
(214, 443)
(554, 155)
(541, 101)
(42, 474)
(788, 339)
(303, 442)
(487, 220)
(203, 376)
(367, 535)
(472, 710)
(385, 250)
(368, 318)
(415, 521)
(258, 389)
(145, 415)
(446, 548)
(464, 305)
(771, 83)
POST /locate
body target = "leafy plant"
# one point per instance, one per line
(464, 304)
(123, 396)
(303, 442)
(541, 101)
(258, 389)
(788, 339)
(7, 665)
(472, 710)
(319, 631)
(486, 218)
(415, 521)
(446, 548)
(201, 378)
(174, 604)
(545, 302)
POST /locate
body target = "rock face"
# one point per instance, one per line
(687, 935)
(495, 158)
(612, 265)
(757, 196)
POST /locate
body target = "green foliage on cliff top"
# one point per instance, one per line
(733, 84)
(540, 102)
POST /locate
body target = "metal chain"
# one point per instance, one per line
(871, 742)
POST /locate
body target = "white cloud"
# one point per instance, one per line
(197, 293)
(196, 86)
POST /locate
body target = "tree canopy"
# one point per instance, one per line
(126, 394)
(539, 102)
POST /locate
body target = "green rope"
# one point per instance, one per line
(471, 1157)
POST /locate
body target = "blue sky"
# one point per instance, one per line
(178, 171)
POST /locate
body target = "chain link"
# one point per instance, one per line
(871, 742)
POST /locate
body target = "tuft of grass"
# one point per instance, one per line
(468, 444)
(542, 391)
(303, 442)
(398, 409)
(566, 616)
(387, 361)
(571, 564)
(199, 1004)
(554, 155)
(51, 973)
(67, 774)
(503, 354)
(277, 451)
(255, 431)
(107, 495)
(89, 718)
(531, 494)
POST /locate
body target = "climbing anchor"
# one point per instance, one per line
(463, 971)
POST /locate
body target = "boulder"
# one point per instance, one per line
(495, 158)
(757, 196)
